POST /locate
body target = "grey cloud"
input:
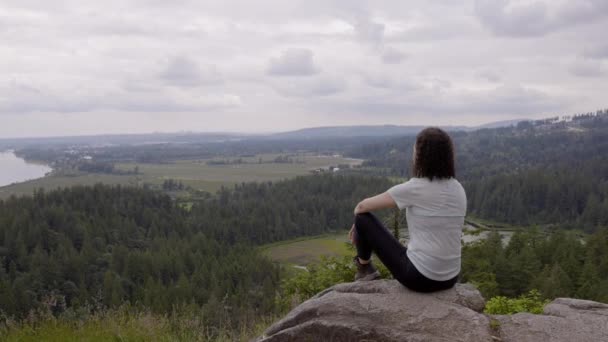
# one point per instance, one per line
(389, 82)
(509, 99)
(422, 34)
(391, 55)
(441, 84)
(368, 30)
(449, 28)
(185, 72)
(514, 100)
(293, 62)
(504, 18)
(120, 26)
(581, 11)
(489, 75)
(312, 87)
(17, 97)
(586, 68)
(172, 102)
(358, 13)
(379, 81)
(95, 60)
(525, 20)
(598, 52)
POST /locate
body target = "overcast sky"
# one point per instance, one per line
(87, 67)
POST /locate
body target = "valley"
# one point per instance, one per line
(204, 175)
(235, 230)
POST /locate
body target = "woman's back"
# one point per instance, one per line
(436, 205)
(435, 217)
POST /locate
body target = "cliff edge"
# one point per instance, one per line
(384, 310)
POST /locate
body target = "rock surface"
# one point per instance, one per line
(386, 311)
(564, 319)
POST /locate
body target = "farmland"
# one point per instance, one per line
(201, 175)
(301, 252)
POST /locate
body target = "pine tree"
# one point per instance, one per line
(396, 217)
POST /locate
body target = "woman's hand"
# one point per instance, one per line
(359, 209)
(352, 235)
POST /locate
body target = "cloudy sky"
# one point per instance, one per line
(86, 67)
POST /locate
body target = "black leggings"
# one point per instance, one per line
(372, 236)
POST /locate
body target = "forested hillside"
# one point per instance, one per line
(112, 245)
(560, 265)
(265, 212)
(96, 249)
(541, 172)
(103, 247)
(115, 244)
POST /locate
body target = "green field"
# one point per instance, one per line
(127, 324)
(303, 251)
(52, 182)
(491, 225)
(194, 173)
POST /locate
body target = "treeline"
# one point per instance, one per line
(573, 196)
(267, 212)
(557, 264)
(102, 245)
(528, 174)
(562, 264)
(161, 153)
(280, 159)
(172, 151)
(73, 247)
(173, 185)
(104, 167)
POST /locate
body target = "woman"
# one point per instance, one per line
(436, 205)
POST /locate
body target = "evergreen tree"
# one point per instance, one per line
(396, 218)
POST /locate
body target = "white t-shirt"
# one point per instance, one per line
(435, 217)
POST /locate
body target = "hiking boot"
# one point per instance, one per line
(365, 272)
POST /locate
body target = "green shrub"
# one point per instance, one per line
(321, 275)
(128, 324)
(531, 302)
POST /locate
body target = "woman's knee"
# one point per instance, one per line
(364, 220)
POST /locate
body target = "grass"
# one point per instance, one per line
(57, 181)
(491, 225)
(194, 173)
(127, 325)
(198, 175)
(494, 324)
(302, 251)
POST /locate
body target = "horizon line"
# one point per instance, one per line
(241, 133)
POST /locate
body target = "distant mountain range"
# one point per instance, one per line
(497, 124)
(377, 130)
(329, 132)
(348, 131)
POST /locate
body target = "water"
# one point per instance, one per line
(468, 238)
(14, 169)
(504, 234)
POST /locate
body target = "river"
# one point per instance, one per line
(468, 236)
(14, 169)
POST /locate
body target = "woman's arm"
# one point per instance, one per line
(382, 201)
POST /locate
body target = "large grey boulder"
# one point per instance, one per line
(564, 320)
(385, 311)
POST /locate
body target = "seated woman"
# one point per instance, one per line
(436, 205)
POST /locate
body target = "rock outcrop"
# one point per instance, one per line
(564, 319)
(386, 311)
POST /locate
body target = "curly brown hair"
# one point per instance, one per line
(434, 155)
